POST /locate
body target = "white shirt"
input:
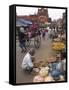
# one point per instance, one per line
(49, 31)
(27, 61)
(61, 64)
(52, 31)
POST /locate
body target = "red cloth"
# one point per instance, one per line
(46, 30)
(34, 26)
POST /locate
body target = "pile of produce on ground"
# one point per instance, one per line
(38, 66)
(57, 40)
(58, 46)
(44, 76)
(44, 73)
(41, 64)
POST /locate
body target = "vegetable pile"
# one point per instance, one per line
(58, 46)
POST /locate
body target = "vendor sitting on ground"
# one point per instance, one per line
(57, 64)
(58, 67)
(27, 64)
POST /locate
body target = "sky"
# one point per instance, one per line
(53, 13)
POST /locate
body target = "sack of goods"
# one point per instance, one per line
(38, 78)
(49, 79)
(44, 72)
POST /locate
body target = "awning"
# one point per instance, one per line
(19, 23)
(25, 21)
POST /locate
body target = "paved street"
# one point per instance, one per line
(42, 53)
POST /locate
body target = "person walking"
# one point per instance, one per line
(43, 34)
(22, 39)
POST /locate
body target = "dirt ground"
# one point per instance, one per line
(41, 54)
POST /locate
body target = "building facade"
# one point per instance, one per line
(41, 16)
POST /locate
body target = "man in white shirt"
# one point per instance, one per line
(27, 63)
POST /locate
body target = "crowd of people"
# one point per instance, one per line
(56, 68)
(25, 34)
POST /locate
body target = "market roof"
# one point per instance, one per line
(22, 22)
(25, 21)
(19, 23)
